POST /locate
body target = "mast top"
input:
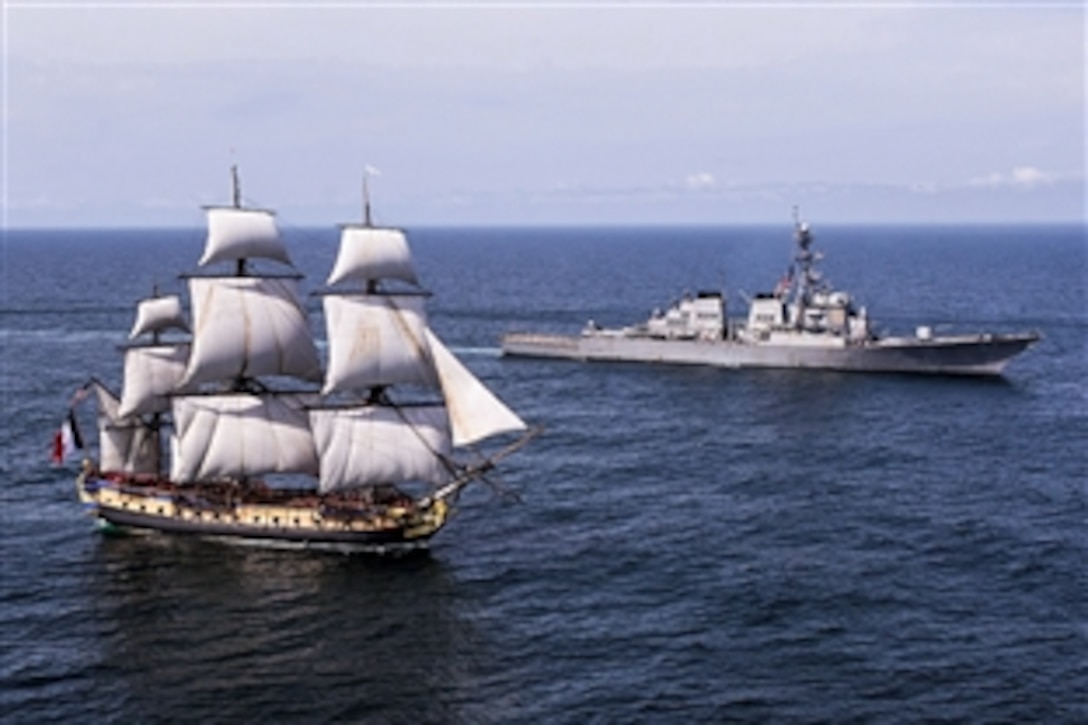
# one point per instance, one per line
(236, 189)
(366, 200)
(801, 230)
(367, 171)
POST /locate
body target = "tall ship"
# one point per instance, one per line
(803, 323)
(231, 426)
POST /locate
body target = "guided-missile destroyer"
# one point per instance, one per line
(802, 323)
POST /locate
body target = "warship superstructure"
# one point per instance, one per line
(802, 323)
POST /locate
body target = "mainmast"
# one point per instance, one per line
(251, 324)
(371, 284)
(156, 331)
(236, 196)
(247, 326)
(803, 259)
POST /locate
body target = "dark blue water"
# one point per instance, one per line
(691, 545)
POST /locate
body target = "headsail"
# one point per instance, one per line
(378, 444)
(240, 435)
(249, 326)
(475, 412)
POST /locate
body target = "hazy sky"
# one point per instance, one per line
(126, 113)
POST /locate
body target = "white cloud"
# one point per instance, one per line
(1030, 176)
(1026, 177)
(701, 180)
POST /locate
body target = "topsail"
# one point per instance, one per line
(157, 314)
(371, 253)
(248, 327)
(154, 370)
(152, 373)
(376, 340)
(235, 234)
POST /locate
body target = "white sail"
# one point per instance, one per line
(474, 411)
(125, 445)
(370, 253)
(235, 233)
(238, 435)
(376, 340)
(377, 444)
(151, 373)
(157, 314)
(249, 326)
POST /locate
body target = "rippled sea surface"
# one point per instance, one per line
(691, 544)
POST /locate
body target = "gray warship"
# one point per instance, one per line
(803, 324)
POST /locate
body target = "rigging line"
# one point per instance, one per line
(422, 349)
(93, 381)
(450, 465)
(501, 489)
(454, 486)
(484, 462)
(305, 234)
(251, 204)
(113, 422)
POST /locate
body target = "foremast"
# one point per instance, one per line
(803, 270)
(811, 305)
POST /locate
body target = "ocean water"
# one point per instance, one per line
(690, 544)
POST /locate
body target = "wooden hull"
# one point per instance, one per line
(306, 522)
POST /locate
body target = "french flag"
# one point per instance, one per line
(67, 439)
